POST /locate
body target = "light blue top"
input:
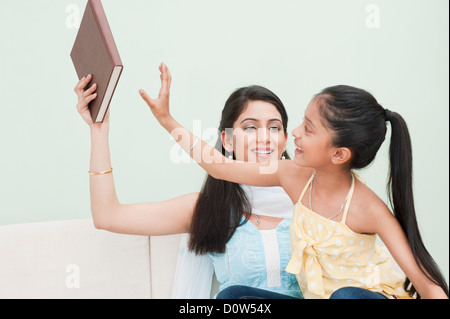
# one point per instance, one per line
(257, 258)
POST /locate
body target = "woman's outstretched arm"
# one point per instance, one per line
(148, 218)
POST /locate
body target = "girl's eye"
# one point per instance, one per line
(307, 130)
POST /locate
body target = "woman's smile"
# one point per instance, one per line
(263, 152)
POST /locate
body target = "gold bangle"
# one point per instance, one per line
(100, 173)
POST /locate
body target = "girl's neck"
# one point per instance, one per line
(328, 181)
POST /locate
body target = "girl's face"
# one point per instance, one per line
(313, 140)
(258, 134)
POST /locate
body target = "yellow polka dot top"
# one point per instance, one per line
(328, 255)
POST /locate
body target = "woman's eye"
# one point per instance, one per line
(254, 128)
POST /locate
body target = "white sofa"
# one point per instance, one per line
(73, 259)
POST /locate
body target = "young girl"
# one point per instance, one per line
(231, 226)
(336, 216)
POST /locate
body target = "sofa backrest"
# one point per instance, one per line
(72, 259)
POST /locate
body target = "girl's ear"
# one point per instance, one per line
(341, 156)
(227, 141)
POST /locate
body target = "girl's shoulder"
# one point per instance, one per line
(365, 208)
(368, 199)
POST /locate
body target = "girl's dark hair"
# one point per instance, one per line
(358, 122)
(221, 204)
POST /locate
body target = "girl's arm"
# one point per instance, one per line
(390, 232)
(156, 218)
(220, 167)
(211, 160)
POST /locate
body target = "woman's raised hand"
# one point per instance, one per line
(86, 96)
(160, 105)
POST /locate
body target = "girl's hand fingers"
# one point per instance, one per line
(169, 77)
(147, 98)
(160, 105)
(167, 80)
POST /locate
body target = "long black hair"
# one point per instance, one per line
(221, 204)
(358, 122)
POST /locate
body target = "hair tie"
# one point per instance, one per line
(387, 115)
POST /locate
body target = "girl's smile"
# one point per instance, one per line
(298, 150)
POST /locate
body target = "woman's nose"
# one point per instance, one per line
(262, 135)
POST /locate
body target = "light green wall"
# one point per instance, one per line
(293, 47)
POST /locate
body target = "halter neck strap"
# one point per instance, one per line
(349, 199)
(306, 187)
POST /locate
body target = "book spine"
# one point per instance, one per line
(100, 16)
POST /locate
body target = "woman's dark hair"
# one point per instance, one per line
(358, 122)
(221, 204)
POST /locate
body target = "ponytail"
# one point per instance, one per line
(400, 192)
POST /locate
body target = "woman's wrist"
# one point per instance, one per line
(100, 162)
(99, 128)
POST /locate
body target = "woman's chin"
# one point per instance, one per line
(265, 159)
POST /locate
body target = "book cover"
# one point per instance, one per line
(95, 52)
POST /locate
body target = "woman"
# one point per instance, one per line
(243, 230)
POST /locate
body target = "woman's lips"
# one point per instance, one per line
(263, 152)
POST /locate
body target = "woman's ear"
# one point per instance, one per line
(341, 156)
(227, 142)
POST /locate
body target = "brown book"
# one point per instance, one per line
(95, 52)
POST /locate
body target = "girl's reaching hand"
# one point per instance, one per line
(160, 106)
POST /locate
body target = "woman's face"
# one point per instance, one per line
(258, 134)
